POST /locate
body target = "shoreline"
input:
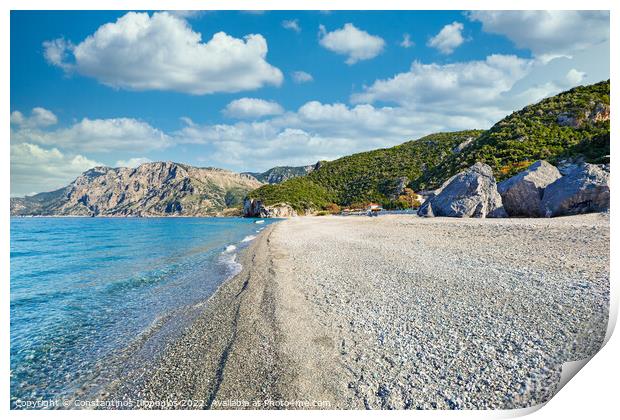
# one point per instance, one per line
(305, 323)
(239, 349)
(209, 338)
(136, 358)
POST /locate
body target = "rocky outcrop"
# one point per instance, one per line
(471, 193)
(152, 189)
(392, 188)
(256, 208)
(601, 112)
(598, 112)
(522, 194)
(585, 189)
(463, 145)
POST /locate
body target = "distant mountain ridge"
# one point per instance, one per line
(152, 189)
(280, 174)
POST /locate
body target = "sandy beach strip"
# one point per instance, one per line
(393, 312)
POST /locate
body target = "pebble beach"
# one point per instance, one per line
(393, 312)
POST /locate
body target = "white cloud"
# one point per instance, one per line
(252, 108)
(39, 117)
(476, 94)
(315, 131)
(464, 86)
(574, 76)
(36, 169)
(449, 38)
(132, 162)
(355, 43)
(407, 42)
(547, 33)
(162, 52)
(293, 25)
(17, 118)
(96, 135)
(302, 77)
(57, 52)
(44, 158)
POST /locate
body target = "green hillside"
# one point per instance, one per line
(572, 124)
(368, 176)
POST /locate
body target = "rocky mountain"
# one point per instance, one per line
(572, 126)
(280, 174)
(152, 189)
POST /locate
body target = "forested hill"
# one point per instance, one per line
(368, 176)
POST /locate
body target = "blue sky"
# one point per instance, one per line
(248, 91)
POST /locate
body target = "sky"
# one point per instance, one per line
(247, 91)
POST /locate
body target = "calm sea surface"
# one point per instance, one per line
(84, 289)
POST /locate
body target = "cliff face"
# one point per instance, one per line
(254, 208)
(152, 189)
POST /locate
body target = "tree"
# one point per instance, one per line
(333, 208)
(410, 198)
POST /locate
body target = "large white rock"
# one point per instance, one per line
(471, 193)
(522, 194)
(585, 189)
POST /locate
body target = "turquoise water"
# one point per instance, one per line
(83, 289)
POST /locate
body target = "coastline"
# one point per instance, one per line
(329, 313)
(198, 358)
(146, 345)
(240, 348)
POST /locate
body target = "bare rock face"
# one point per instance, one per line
(471, 193)
(256, 208)
(394, 187)
(599, 112)
(585, 189)
(463, 145)
(152, 189)
(522, 194)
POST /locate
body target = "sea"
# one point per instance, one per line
(83, 290)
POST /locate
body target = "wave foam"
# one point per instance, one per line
(248, 238)
(229, 260)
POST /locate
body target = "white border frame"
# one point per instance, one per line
(592, 394)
